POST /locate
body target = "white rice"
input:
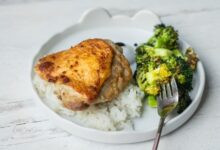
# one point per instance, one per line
(111, 116)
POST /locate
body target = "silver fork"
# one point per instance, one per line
(167, 101)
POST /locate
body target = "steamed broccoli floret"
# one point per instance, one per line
(145, 52)
(184, 74)
(171, 63)
(141, 77)
(152, 89)
(184, 100)
(151, 65)
(164, 37)
(142, 56)
(149, 81)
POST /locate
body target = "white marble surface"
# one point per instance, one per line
(26, 24)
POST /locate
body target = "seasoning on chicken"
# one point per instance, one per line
(91, 72)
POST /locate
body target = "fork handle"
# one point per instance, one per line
(159, 130)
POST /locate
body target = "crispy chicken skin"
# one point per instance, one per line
(91, 72)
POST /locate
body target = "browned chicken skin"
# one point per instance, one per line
(91, 72)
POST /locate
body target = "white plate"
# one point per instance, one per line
(98, 23)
